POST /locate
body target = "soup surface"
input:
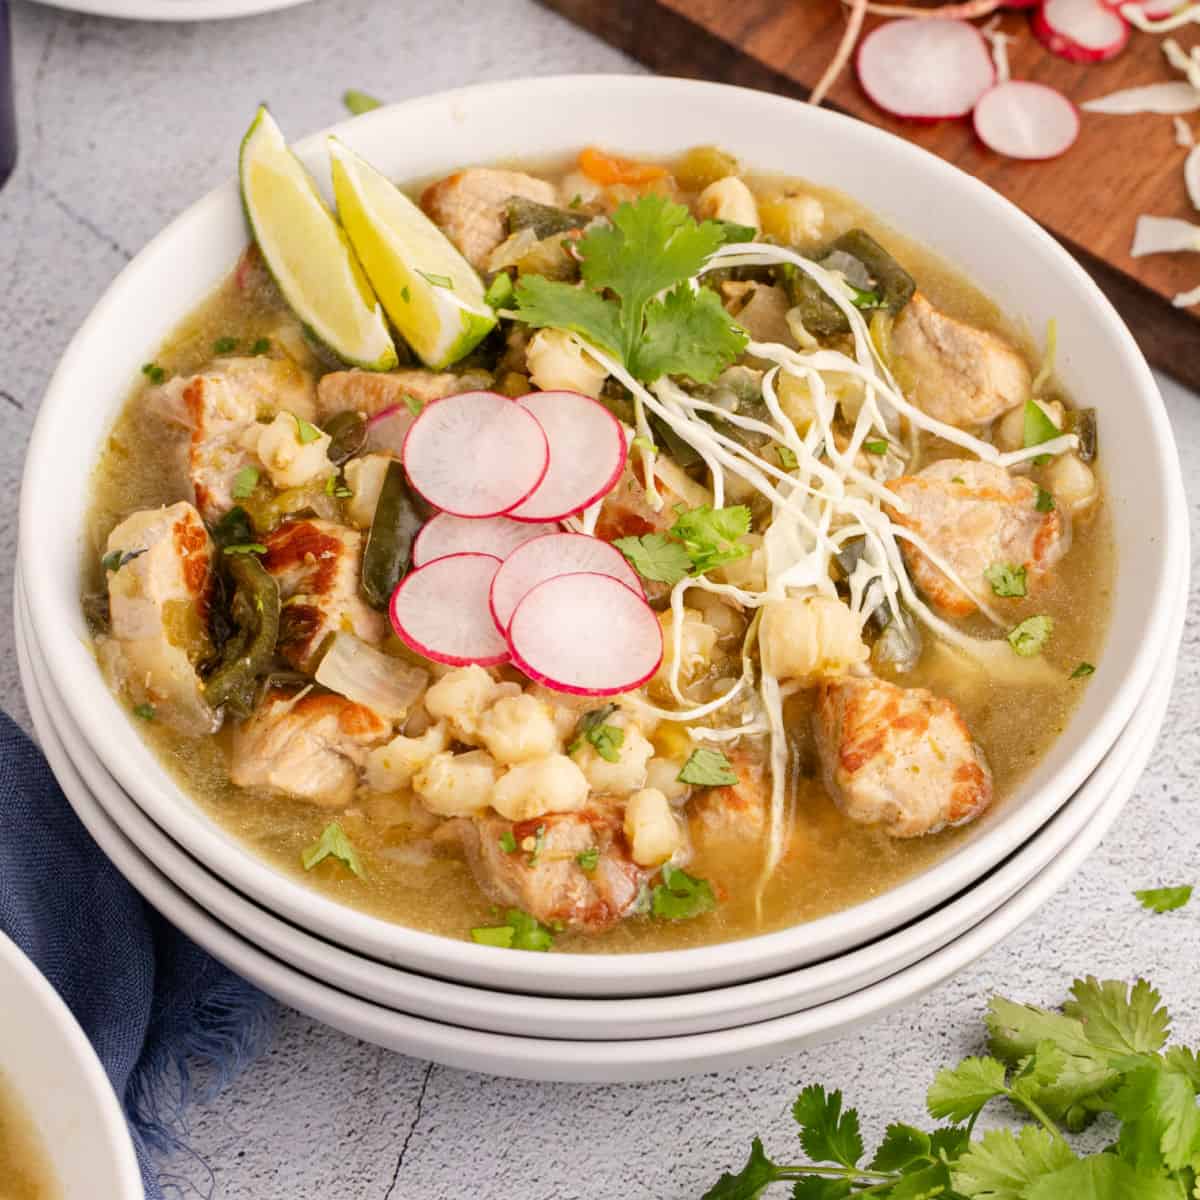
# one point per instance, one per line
(25, 1172)
(881, 599)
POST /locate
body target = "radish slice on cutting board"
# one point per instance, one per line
(476, 454)
(1026, 120)
(925, 70)
(445, 534)
(587, 454)
(1080, 31)
(555, 554)
(441, 611)
(586, 634)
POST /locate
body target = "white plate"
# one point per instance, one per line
(561, 1060)
(956, 215)
(173, 10)
(577, 1018)
(47, 1062)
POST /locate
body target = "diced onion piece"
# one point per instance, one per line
(1164, 235)
(925, 69)
(587, 455)
(367, 676)
(475, 454)
(445, 534)
(1026, 120)
(1166, 99)
(555, 554)
(1080, 30)
(586, 634)
(441, 611)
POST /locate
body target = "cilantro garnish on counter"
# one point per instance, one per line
(636, 302)
(1165, 899)
(1103, 1053)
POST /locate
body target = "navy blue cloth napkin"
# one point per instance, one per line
(155, 1006)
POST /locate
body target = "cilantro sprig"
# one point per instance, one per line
(1103, 1052)
(636, 302)
(701, 539)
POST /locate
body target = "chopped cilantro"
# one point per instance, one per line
(576, 200)
(1029, 638)
(246, 548)
(335, 486)
(305, 432)
(878, 446)
(261, 346)
(358, 102)
(1165, 899)
(681, 896)
(1006, 580)
(508, 843)
(442, 281)
(413, 405)
(500, 936)
(708, 768)
(225, 345)
(500, 291)
(144, 711)
(1038, 429)
(1044, 501)
(588, 860)
(606, 740)
(1083, 671)
(958, 479)
(244, 483)
(636, 302)
(114, 560)
(333, 843)
(539, 844)
(520, 932)
(405, 294)
(656, 557)
(153, 372)
(787, 457)
(865, 299)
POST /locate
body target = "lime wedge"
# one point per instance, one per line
(308, 253)
(432, 294)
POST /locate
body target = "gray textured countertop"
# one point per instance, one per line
(122, 126)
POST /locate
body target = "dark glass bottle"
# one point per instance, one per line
(8, 116)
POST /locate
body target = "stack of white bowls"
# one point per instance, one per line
(613, 1017)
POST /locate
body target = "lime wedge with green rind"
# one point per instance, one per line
(308, 253)
(431, 293)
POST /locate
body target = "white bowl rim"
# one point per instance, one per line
(594, 1061)
(93, 708)
(94, 1085)
(905, 946)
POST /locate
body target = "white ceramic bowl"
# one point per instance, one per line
(1012, 259)
(579, 1061)
(50, 1066)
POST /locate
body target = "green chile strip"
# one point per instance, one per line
(250, 652)
(389, 544)
(347, 436)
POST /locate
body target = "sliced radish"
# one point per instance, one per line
(925, 70)
(441, 611)
(587, 453)
(1026, 120)
(387, 429)
(1080, 30)
(555, 554)
(445, 534)
(586, 634)
(476, 454)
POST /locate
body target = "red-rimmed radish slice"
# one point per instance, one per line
(587, 454)
(387, 429)
(1026, 120)
(586, 634)
(1080, 31)
(445, 534)
(555, 554)
(441, 611)
(925, 70)
(476, 454)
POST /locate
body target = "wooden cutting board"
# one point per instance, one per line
(1089, 198)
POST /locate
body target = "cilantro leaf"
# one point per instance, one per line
(114, 560)
(606, 740)
(1101, 1177)
(333, 843)
(306, 432)
(1044, 501)
(1029, 638)
(1006, 580)
(1161, 1123)
(588, 860)
(826, 1132)
(144, 712)
(787, 457)
(500, 291)
(547, 304)
(708, 768)
(508, 843)
(750, 1182)
(244, 483)
(902, 1145)
(1118, 1019)
(820, 1187)
(711, 535)
(656, 557)
(958, 1093)
(520, 932)
(1083, 671)
(1165, 899)
(1186, 1062)
(681, 896)
(687, 334)
(1002, 1164)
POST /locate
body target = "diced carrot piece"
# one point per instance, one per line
(609, 169)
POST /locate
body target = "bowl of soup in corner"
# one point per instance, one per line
(905, 570)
